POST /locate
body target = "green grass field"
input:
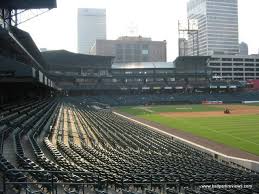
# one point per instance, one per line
(253, 104)
(239, 131)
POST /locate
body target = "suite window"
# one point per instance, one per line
(226, 59)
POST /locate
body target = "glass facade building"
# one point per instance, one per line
(217, 24)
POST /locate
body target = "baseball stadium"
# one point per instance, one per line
(81, 124)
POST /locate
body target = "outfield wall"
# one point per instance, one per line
(250, 102)
(233, 161)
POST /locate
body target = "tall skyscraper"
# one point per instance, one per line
(243, 48)
(217, 24)
(91, 25)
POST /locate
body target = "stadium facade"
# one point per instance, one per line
(217, 24)
(91, 25)
(127, 49)
(74, 71)
(99, 74)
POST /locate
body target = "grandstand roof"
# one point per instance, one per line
(66, 58)
(144, 65)
(18, 44)
(25, 41)
(27, 4)
(191, 59)
(9, 48)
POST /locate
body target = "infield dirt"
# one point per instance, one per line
(234, 109)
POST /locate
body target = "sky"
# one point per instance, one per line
(57, 29)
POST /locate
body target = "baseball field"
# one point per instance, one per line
(240, 129)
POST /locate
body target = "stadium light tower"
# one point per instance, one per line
(188, 29)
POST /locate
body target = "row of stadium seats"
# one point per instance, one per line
(156, 154)
(72, 142)
(37, 172)
(18, 126)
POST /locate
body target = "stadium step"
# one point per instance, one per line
(8, 150)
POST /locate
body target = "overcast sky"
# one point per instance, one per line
(57, 29)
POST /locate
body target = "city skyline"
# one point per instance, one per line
(57, 29)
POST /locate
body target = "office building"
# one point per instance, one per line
(239, 67)
(131, 49)
(43, 49)
(217, 24)
(183, 46)
(243, 48)
(91, 25)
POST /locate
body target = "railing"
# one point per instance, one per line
(176, 181)
(53, 183)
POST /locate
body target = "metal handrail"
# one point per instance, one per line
(122, 181)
